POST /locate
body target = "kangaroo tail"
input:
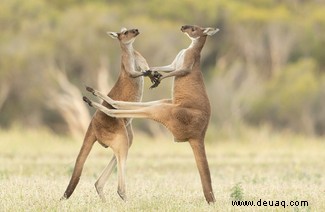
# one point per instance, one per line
(88, 143)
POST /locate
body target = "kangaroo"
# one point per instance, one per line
(187, 114)
(109, 131)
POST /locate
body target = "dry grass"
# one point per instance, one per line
(35, 168)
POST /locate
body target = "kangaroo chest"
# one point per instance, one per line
(179, 60)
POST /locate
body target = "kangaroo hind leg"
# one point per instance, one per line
(120, 148)
(100, 183)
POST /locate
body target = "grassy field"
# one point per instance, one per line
(35, 167)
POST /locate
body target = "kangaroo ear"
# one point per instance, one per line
(210, 31)
(123, 29)
(114, 35)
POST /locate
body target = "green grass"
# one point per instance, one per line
(35, 167)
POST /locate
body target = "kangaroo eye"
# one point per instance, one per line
(193, 29)
(125, 33)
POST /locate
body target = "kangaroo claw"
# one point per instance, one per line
(91, 90)
(155, 84)
(87, 101)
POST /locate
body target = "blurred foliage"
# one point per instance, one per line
(287, 97)
(265, 66)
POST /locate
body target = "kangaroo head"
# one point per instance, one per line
(126, 36)
(195, 32)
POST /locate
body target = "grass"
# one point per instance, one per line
(35, 167)
(237, 192)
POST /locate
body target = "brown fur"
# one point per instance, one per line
(109, 131)
(187, 115)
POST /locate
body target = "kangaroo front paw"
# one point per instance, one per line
(157, 75)
(147, 73)
(154, 77)
(156, 82)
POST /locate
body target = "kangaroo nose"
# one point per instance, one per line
(184, 27)
(136, 30)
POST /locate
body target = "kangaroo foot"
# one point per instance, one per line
(87, 101)
(100, 192)
(91, 90)
(122, 195)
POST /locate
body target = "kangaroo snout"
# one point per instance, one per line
(136, 31)
(185, 27)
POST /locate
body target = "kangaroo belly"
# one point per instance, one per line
(106, 128)
(127, 89)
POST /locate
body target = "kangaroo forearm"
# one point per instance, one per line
(131, 70)
(176, 73)
(135, 74)
(168, 68)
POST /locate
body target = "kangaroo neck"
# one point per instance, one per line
(127, 49)
(128, 57)
(197, 44)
